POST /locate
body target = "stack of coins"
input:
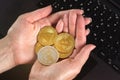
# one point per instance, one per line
(51, 46)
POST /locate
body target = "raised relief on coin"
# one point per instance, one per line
(47, 35)
(48, 55)
(64, 43)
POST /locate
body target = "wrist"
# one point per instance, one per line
(6, 55)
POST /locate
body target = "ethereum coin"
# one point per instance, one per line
(64, 43)
(47, 35)
(48, 55)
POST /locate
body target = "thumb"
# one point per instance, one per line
(83, 55)
(37, 14)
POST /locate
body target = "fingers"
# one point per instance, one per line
(55, 17)
(42, 22)
(83, 55)
(88, 21)
(87, 31)
(59, 26)
(65, 20)
(72, 23)
(68, 24)
(37, 14)
(69, 21)
(77, 49)
(80, 33)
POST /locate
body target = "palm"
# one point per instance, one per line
(23, 39)
(56, 71)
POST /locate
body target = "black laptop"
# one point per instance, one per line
(104, 61)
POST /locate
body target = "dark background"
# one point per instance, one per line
(9, 11)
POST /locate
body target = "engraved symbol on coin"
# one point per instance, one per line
(47, 35)
(64, 43)
(48, 55)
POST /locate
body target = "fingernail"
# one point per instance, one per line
(47, 6)
(94, 46)
(90, 19)
(87, 31)
(82, 11)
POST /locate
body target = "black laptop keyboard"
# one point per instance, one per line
(105, 27)
(105, 31)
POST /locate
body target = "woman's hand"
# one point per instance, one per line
(17, 47)
(68, 68)
(22, 35)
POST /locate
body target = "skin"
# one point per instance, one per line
(17, 47)
(74, 63)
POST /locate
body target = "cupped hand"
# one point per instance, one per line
(22, 35)
(68, 68)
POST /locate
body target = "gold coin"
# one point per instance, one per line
(47, 35)
(64, 43)
(48, 55)
(38, 46)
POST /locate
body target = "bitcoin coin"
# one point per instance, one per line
(47, 35)
(64, 43)
(38, 46)
(48, 55)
